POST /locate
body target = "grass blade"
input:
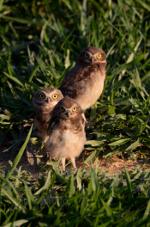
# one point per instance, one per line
(9, 195)
(20, 153)
(71, 186)
(29, 196)
(46, 185)
(134, 145)
(119, 142)
(128, 180)
(17, 223)
(131, 57)
(147, 211)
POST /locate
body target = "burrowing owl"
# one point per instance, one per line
(85, 81)
(66, 133)
(44, 102)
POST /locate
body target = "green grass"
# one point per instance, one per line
(85, 199)
(39, 43)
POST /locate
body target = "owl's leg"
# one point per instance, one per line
(74, 163)
(63, 161)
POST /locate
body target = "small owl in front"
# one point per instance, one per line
(44, 102)
(66, 132)
(85, 82)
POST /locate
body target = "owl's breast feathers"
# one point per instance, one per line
(43, 116)
(75, 125)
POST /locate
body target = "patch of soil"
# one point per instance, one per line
(112, 165)
(116, 165)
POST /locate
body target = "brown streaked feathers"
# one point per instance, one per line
(44, 102)
(85, 81)
(66, 133)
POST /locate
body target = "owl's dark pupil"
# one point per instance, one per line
(42, 96)
(86, 55)
(62, 108)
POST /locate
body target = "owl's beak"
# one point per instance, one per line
(103, 62)
(47, 100)
(64, 113)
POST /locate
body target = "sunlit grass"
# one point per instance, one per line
(39, 42)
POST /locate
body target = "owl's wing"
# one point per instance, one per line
(76, 74)
(74, 81)
(52, 124)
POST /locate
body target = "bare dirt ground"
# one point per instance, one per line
(112, 165)
(116, 165)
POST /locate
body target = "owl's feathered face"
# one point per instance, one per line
(92, 55)
(68, 108)
(46, 98)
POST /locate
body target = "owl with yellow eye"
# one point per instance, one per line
(44, 101)
(85, 81)
(66, 132)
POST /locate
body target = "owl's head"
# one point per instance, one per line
(92, 55)
(46, 97)
(68, 108)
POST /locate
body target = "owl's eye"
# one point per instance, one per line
(62, 108)
(55, 96)
(86, 55)
(41, 95)
(98, 57)
(74, 109)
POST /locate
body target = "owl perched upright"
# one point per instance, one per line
(66, 133)
(44, 102)
(85, 82)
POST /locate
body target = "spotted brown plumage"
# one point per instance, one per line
(85, 82)
(44, 101)
(66, 132)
